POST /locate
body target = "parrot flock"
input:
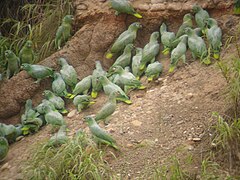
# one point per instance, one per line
(123, 76)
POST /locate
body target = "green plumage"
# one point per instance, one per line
(38, 72)
(96, 85)
(57, 101)
(179, 53)
(136, 60)
(9, 132)
(40, 107)
(214, 37)
(124, 6)
(201, 16)
(59, 138)
(110, 87)
(26, 54)
(13, 63)
(167, 39)
(99, 133)
(127, 37)
(4, 148)
(236, 7)
(197, 46)
(59, 85)
(53, 117)
(83, 86)
(82, 102)
(153, 70)
(187, 23)
(150, 51)
(68, 73)
(64, 31)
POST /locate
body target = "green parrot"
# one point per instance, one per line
(96, 85)
(58, 138)
(153, 70)
(110, 87)
(64, 31)
(13, 63)
(4, 148)
(236, 7)
(125, 59)
(83, 86)
(26, 54)
(53, 117)
(38, 72)
(9, 132)
(30, 119)
(82, 102)
(214, 37)
(59, 86)
(107, 109)
(40, 107)
(150, 50)
(124, 6)
(197, 46)
(136, 60)
(201, 16)
(179, 53)
(127, 37)
(167, 39)
(68, 73)
(127, 79)
(57, 101)
(187, 22)
(99, 133)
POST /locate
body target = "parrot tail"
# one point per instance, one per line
(142, 87)
(72, 96)
(138, 78)
(94, 94)
(171, 69)
(127, 101)
(142, 67)
(150, 78)
(109, 55)
(115, 146)
(137, 15)
(206, 61)
(166, 51)
(64, 111)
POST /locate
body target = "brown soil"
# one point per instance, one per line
(168, 115)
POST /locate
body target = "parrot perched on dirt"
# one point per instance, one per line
(128, 80)
(64, 31)
(179, 53)
(214, 37)
(57, 101)
(100, 135)
(38, 72)
(107, 109)
(201, 16)
(40, 107)
(26, 54)
(167, 39)
(124, 6)
(187, 22)
(96, 85)
(9, 132)
(59, 86)
(13, 63)
(110, 87)
(58, 138)
(4, 148)
(83, 86)
(125, 59)
(236, 7)
(153, 70)
(68, 73)
(82, 101)
(150, 50)
(136, 60)
(197, 46)
(53, 117)
(127, 37)
(30, 119)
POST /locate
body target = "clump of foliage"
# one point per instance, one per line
(34, 20)
(79, 158)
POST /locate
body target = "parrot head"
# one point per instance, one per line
(135, 26)
(25, 66)
(47, 93)
(163, 28)
(138, 50)
(9, 53)
(187, 17)
(188, 31)
(68, 18)
(129, 48)
(196, 8)
(154, 36)
(89, 119)
(210, 22)
(29, 44)
(117, 69)
(56, 75)
(62, 61)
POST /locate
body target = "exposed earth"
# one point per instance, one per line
(173, 113)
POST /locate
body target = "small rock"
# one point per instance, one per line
(190, 147)
(180, 122)
(136, 123)
(82, 6)
(72, 113)
(190, 95)
(196, 139)
(129, 145)
(143, 7)
(5, 166)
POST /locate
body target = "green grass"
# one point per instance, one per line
(78, 159)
